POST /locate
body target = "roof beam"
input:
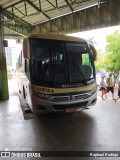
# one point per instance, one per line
(35, 7)
(14, 4)
(40, 4)
(13, 22)
(19, 11)
(56, 3)
(29, 2)
(69, 5)
(25, 8)
(17, 19)
(51, 3)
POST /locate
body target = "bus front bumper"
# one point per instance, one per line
(56, 105)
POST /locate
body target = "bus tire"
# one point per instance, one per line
(24, 92)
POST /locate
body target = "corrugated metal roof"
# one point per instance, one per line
(38, 11)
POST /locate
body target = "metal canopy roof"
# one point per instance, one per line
(24, 14)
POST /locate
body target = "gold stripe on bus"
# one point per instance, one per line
(46, 90)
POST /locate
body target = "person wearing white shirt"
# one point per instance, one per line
(110, 85)
(103, 88)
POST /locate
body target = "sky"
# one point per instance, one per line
(99, 35)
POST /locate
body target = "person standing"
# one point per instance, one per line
(103, 88)
(110, 85)
(118, 92)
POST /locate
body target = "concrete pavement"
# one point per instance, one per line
(95, 129)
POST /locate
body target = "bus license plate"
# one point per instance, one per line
(67, 110)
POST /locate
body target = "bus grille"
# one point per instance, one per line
(66, 98)
(59, 98)
(75, 105)
(82, 96)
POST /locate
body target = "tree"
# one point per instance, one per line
(99, 63)
(112, 58)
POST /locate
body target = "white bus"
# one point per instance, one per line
(59, 73)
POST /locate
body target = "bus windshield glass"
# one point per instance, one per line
(60, 62)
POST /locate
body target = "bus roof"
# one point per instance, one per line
(55, 37)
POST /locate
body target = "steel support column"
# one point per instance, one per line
(3, 69)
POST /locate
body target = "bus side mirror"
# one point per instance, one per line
(93, 51)
(26, 49)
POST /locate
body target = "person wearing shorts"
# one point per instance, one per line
(110, 85)
(103, 88)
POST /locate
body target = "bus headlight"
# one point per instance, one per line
(44, 96)
(92, 91)
(41, 95)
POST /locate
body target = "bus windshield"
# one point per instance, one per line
(60, 62)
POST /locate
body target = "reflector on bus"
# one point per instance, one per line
(26, 51)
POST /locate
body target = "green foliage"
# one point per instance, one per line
(112, 58)
(99, 63)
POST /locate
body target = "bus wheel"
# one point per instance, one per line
(24, 93)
